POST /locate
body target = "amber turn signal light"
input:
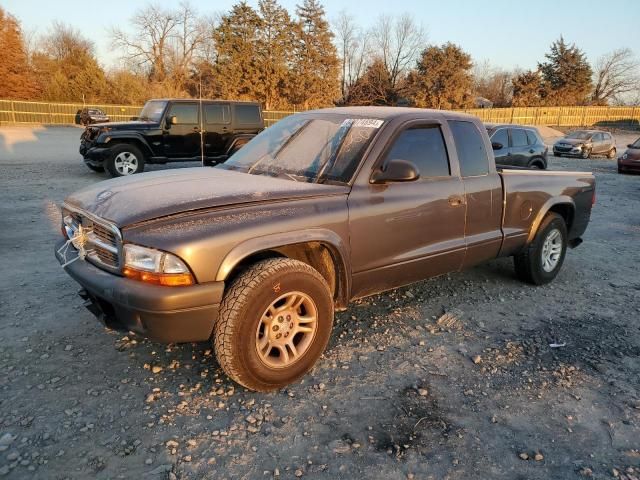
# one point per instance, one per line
(164, 279)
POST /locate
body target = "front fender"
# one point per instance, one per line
(326, 237)
(116, 136)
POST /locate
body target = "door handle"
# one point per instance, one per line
(224, 129)
(531, 151)
(196, 129)
(456, 201)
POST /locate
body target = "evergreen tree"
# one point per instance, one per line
(566, 74)
(273, 54)
(442, 78)
(528, 90)
(373, 88)
(235, 72)
(315, 80)
(16, 77)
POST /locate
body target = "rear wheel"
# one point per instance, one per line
(125, 159)
(536, 163)
(612, 153)
(541, 260)
(275, 321)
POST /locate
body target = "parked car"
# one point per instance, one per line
(322, 208)
(90, 116)
(584, 143)
(629, 161)
(171, 131)
(517, 145)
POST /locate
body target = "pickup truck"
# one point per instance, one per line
(322, 208)
(171, 130)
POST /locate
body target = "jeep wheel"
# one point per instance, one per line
(542, 259)
(275, 321)
(124, 160)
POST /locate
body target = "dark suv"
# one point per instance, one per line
(171, 131)
(92, 115)
(517, 145)
(584, 143)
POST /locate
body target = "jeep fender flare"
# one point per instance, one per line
(116, 137)
(327, 238)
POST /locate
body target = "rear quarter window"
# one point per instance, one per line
(247, 114)
(472, 153)
(532, 137)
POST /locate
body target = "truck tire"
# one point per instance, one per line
(541, 260)
(275, 321)
(124, 159)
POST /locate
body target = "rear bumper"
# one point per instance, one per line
(164, 314)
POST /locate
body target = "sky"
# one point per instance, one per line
(508, 33)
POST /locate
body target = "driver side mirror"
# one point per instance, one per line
(630, 145)
(497, 145)
(172, 120)
(396, 170)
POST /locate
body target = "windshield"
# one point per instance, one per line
(307, 147)
(636, 144)
(152, 111)
(580, 135)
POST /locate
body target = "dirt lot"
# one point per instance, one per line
(398, 394)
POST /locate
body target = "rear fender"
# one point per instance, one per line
(563, 200)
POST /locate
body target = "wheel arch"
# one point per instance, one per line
(538, 160)
(135, 140)
(563, 206)
(324, 250)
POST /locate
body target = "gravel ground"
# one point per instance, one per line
(402, 391)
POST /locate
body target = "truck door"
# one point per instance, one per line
(483, 193)
(182, 137)
(401, 232)
(217, 126)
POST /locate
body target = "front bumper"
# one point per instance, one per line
(567, 151)
(628, 165)
(164, 314)
(93, 155)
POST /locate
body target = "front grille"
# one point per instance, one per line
(102, 242)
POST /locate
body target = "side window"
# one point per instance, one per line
(518, 137)
(216, 113)
(185, 113)
(532, 137)
(247, 114)
(472, 153)
(597, 137)
(501, 136)
(425, 148)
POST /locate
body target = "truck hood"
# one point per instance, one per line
(129, 200)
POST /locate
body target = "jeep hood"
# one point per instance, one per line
(132, 125)
(129, 200)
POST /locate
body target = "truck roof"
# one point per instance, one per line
(394, 112)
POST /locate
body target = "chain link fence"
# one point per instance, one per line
(19, 112)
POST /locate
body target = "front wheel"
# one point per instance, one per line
(541, 260)
(612, 153)
(274, 323)
(124, 160)
(586, 153)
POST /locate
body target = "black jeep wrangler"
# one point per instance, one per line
(171, 131)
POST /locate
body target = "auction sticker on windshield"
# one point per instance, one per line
(363, 122)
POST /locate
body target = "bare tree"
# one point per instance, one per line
(493, 83)
(398, 41)
(353, 48)
(616, 74)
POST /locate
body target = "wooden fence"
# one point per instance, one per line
(19, 112)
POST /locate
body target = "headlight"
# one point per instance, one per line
(625, 156)
(154, 266)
